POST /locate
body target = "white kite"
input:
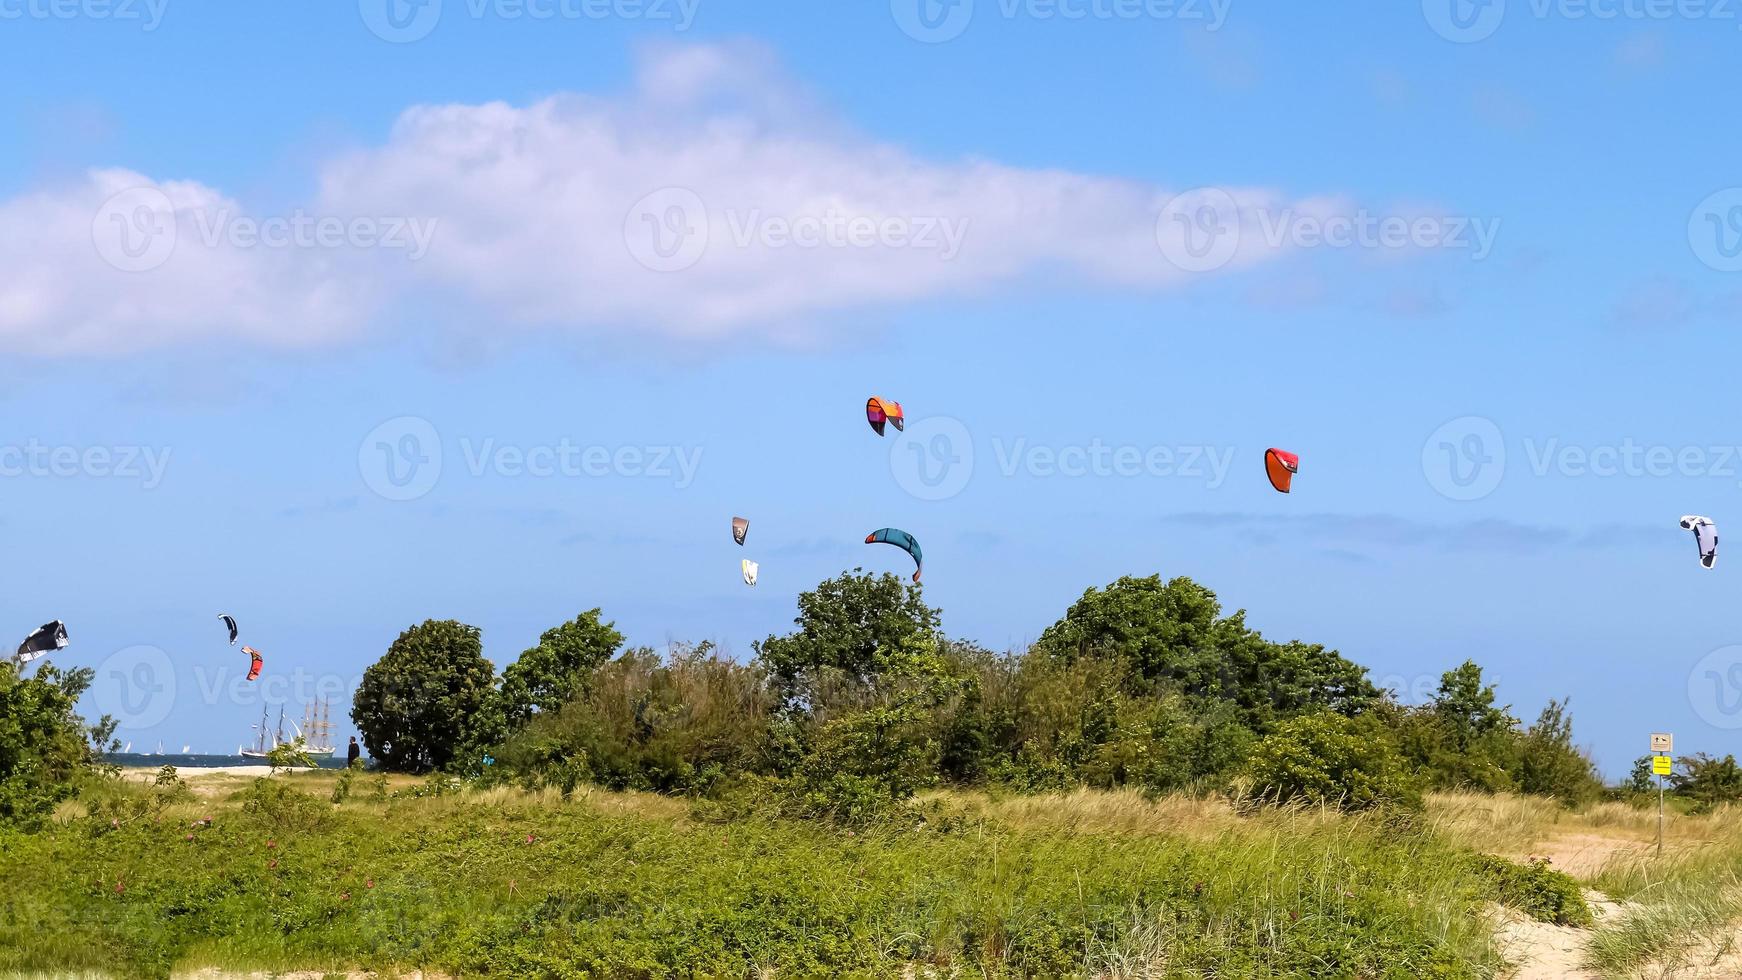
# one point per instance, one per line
(1705, 536)
(749, 572)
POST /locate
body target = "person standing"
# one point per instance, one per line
(352, 752)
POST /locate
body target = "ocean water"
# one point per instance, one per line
(150, 760)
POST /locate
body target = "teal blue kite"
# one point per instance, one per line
(901, 539)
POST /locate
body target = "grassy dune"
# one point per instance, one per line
(134, 882)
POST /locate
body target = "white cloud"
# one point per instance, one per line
(548, 216)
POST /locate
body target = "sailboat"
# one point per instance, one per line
(261, 749)
(316, 733)
(317, 729)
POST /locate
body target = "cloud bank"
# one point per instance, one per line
(709, 202)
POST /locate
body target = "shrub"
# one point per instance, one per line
(1328, 759)
(45, 747)
(1535, 889)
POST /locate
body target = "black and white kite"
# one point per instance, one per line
(47, 638)
(230, 623)
(1705, 536)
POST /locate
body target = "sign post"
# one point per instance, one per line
(1662, 764)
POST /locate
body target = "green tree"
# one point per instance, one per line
(1640, 779)
(1349, 763)
(1708, 781)
(44, 744)
(552, 673)
(1549, 764)
(425, 697)
(1172, 636)
(858, 633)
(1467, 707)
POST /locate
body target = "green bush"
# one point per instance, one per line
(1328, 759)
(45, 747)
(1535, 889)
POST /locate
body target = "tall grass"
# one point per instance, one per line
(508, 883)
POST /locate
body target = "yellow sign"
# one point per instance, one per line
(1661, 765)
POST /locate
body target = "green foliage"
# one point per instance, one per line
(857, 631)
(1172, 636)
(1549, 764)
(45, 747)
(283, 808)
(1708, 781)
(1327, 759)
(551, 674)
(1461, 739)
(1535, 889)
(1641, 780)
(674, 725)
(498, 886)
(425, 698)
(290, 755)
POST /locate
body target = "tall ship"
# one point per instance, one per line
(316, 731)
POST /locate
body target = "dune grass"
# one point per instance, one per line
(134, 882)
(1681, 907)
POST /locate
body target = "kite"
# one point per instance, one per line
(750, 568)
(1281, 468)
(878, 412)
(740, 529)
(230, 623)
(255, 662)
(901, 539)
(1705, 537)
(48, 637)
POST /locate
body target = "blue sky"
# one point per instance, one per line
(535, 151)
